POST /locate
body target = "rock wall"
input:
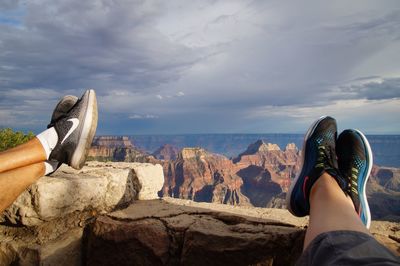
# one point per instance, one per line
(171, 234)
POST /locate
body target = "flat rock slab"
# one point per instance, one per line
(98, 186)
(158, 232)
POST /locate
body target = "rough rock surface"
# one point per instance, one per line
(161, 233)
(98, 186)
(182, 232)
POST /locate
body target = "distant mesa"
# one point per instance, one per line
(291, 147)
(166, 152)
(112, 142)
(260, 146)
(189, 153)
(117, 149)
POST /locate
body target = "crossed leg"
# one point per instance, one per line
(20, 167)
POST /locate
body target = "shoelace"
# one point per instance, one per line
(325, 157)
(325, 162)
(353, 185)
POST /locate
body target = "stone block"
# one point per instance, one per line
(98, 186)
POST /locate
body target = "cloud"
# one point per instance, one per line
(374, 89)
(207, 66)
(146, 116)
(8, 4)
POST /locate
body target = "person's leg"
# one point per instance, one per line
(14, 182)
(66, 141)
(25, 154)
(330, 210)
(336, 235)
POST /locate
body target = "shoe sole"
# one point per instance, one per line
(363, 200)
(310, 131)
(87, 134)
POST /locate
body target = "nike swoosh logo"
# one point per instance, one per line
(75, 124)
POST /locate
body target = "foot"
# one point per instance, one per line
(318, 156)
(61, 110)
(355, 163)
(76, 131)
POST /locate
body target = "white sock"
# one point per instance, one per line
(50, 166)
(49, 139)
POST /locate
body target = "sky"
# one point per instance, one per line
(209, 66)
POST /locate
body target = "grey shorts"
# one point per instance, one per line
(346, 248)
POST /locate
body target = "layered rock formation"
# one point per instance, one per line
(281, 165)
(255, 177)
(202, 176)
(166, 152)
(259, 176)
(383, 191)
(117, 149)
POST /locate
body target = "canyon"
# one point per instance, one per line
(259, 176)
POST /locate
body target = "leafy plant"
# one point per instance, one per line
(10, 139)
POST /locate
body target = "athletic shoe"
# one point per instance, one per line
(76, 131)
(355, 163)
(62, 108)
(318, 156)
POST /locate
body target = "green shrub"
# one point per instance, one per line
(10, 139)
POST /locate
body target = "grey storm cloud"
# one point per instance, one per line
(375, 90)
(70, 44)
(194, 65)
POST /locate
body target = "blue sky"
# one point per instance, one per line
(164, 67)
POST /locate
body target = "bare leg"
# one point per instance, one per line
(330, 210)
(14, 182)
(22, 155)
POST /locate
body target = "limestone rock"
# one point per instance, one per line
(98, 186)
(150, 179)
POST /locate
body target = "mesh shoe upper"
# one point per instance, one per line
(355, 162)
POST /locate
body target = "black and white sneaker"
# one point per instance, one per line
(62, 108)
(75, 132)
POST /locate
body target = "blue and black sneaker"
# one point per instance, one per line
(318, 156)
(355, 163)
